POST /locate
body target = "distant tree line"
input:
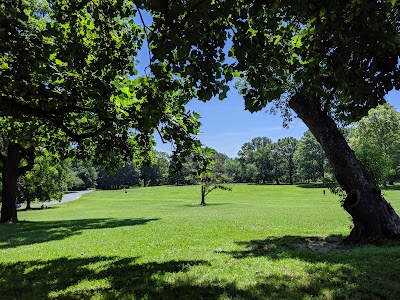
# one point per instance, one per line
(375, 140)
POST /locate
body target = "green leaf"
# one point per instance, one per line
(125, 90)
(296, 41)
(59, 62)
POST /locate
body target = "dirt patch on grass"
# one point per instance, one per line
(320, 244)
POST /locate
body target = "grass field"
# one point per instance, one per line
(255, 242)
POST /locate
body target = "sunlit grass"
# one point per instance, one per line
(255, 242)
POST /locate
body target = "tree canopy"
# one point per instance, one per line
(69, 86)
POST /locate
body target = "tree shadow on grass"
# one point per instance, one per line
(27, 233)
(112, 278)
(124, 278)
(86, 278)
(312, 185)
(197, 204)
(344, 273)
(332, 271)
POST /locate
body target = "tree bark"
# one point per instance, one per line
(28, 204)
(203, 195)
(11, 170)
(373, 217)
(291, 170)
(9, 180)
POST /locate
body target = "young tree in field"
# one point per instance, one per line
(376, 141)
(328, 61)
(212, 181)
(213, 178)
(310, 158)
(68, 77)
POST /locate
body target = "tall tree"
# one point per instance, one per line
(328, 61)
(67, 76)
(124, 177)
(278, 165)
(376, 141)
(253, 157)
(158, 172)
(264, 163)
(233, 169)
(286, 148)
(310, 158)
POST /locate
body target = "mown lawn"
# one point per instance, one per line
(255, 242)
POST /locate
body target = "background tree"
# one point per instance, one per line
(48, 180)
(184, 174)
(233, 169)
(286, 148)
(85, 175)
(310, 159)
(124, 177)
(252, 159)
(376, 141)
(156, 173)
(264, 163)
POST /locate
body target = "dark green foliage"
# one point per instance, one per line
(85, 175)
(127, 176)
(48, 180)
(67, 76)
(376, 141)
(310, 158)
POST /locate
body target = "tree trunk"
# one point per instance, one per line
(291, 170)
(9, 180)
(11, 170)
(28, 204)
(373, 217)
(203, 195)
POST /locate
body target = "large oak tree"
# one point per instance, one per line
(328, 61)
(68, 85)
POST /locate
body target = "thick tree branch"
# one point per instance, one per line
(11, 107)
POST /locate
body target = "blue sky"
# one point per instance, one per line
(226, 126)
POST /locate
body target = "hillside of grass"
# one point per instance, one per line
(254, 242)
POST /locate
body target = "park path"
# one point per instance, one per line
(65, 198)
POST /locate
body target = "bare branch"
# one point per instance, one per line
(161, 137)
(145, 27)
